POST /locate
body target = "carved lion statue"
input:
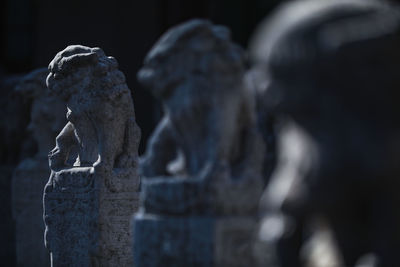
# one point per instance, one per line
(208, 130)
(93, 178)
(101, 126)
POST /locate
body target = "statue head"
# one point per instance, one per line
(197, 72)
(77, 69)
(98, 99)
(195, 48)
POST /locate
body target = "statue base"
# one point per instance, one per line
(193, 240)
(87, 225)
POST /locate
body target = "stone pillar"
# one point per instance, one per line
(28, 181)
(93, 187)
(202, 171)
(31, 174)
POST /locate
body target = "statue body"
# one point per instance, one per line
(202, 169)
(92, 190)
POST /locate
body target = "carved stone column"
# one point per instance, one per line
(93, 187)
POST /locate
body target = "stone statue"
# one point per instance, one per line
(202, 168)
(332, 68)
(15, 145)
(92, 190)
(31, 174)
(257, 82)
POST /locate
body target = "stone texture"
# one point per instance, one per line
(194, 240)
(235, 241)
(258, 83)
(31, 174)
(332, 72)
(174, 241)
(14, 118)
(204, 159)
(92, 190)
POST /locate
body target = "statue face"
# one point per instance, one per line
(65, 84)
(162, 74)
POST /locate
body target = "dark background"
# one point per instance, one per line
(33, 31)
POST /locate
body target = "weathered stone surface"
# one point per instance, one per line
(205, 157)
(258, 83)
(235, 241)
(194, 240)
(31, 174)
(174, 241)
(92, 190)
(332, 69)
(14, 118)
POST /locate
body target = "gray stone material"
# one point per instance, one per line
(333, 75)
(194, 240)
(15, 145)
(31, 174)
(258, 83)
(181, 241)
(208, 133)
(205, 157)
(93, 186)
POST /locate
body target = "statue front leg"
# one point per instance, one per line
(65, 141)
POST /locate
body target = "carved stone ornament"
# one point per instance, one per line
(93, 186)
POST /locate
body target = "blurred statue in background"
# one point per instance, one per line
(92, 190)
(30, 176)
(257, 82)
(332, 72)
(202, 171)
(15, 145)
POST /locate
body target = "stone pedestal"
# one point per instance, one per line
(27, 190)
(180, 224)
(193, 240)
(173, 241)
(115, 240)
(86, 225)
(71, 218)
